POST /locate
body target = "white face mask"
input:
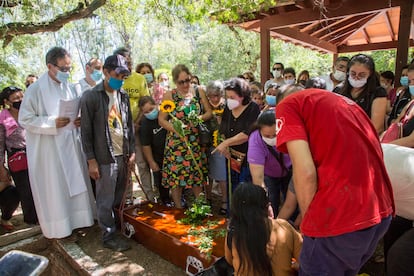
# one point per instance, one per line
(232, 104)
(277, 73)
(270, 141)
(357, 83)
(290, 81)
(339, 75)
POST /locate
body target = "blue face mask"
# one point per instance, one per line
(411, 88)
(152, 115)
(115, 84)
(149, 78)
(404, 81)
(96, 75)
(62, 76)
(271, 100)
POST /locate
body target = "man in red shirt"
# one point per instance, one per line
(340, 180)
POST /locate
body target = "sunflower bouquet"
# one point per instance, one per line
(168, 106)
(217, 138)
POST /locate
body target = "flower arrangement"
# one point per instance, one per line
(168, 106)
(204, 232)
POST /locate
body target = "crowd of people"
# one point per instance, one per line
(297, 159)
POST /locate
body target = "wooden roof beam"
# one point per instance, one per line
(304, 4)
(361, 27)
(370, 47)
(296, 36)
(362, 19)
(310, 27)
(366, 36)
(328, 27)
(353, 7)
(389, 27)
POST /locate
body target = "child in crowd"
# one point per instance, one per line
(257, 96)
(152, 137)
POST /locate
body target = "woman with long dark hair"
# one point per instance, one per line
(255, 243)
(363, 87)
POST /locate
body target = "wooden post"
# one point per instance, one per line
(406, 11)
(334, 58)
(265, 54)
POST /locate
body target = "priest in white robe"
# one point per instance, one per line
(57, 167)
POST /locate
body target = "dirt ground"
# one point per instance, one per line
(136, 261)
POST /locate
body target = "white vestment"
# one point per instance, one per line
(57, 167)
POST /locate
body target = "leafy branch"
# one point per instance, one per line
(83, 10)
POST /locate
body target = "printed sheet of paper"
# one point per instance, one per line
(70, 109)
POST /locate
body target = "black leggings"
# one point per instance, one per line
(9, 200)
(21, 180)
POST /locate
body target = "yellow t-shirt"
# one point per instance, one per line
(136, 87)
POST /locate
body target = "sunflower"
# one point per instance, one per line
(218, 111)
(167, 106)
(215, 138)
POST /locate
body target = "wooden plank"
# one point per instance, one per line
(389, 27)
(404, 29)
(306, 40)
(370, 47)
(264, 55)
(353, 7)
(360, 27)
(350, 26)
(328, 26)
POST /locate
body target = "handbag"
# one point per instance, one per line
(17, 161)
(395, 130)
(236, 160)
(205, 135)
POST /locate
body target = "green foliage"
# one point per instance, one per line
(163, 33)
(205, 235)
(198, 211)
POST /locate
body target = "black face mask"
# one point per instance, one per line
(17, 104)
(303, 82)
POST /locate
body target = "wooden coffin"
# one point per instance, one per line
(157, 229)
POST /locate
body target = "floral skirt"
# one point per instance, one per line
(179, 167)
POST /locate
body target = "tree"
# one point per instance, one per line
(28, 10)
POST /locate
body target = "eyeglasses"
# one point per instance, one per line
(182, 82)
(63, 68)
(277, 68)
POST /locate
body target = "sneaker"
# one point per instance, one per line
(116, 244)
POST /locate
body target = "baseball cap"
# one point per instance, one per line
(117, 63)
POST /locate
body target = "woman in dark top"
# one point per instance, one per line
(407, 116)
(363, 87)
(238, 118)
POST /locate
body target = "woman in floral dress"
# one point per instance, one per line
(184, 161)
